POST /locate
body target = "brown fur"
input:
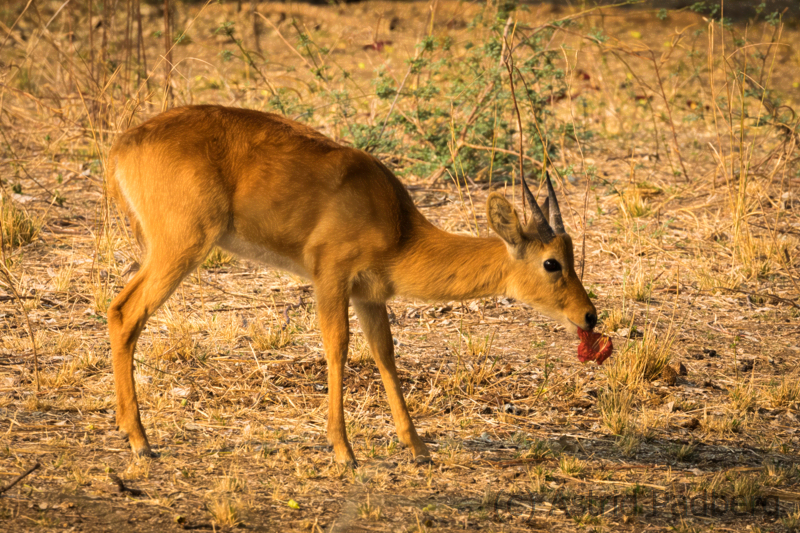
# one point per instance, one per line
(274, 190)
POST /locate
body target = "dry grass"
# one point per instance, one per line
(616, 319)
(786, 394)
(616, 408)
(231, 483)
(272, 337)
(218, 259)
(641, 361)
(224, 511)
(20, 227)
(571, 466)
(682, 180)
(638, 283)
(369, 511)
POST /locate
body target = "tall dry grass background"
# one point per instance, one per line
(673, 136)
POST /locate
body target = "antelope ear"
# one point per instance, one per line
(503, 220)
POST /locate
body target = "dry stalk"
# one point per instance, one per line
(10, 282)
(509, 62)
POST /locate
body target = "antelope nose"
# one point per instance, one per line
(591, 320)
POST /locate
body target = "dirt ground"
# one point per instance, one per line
(231, 373)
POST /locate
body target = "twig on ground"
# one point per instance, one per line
(288, 307)
(20, 477)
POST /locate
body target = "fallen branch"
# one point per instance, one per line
(20, 477)
(6, 298)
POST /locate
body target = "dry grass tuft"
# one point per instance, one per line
(683, 452)
(616, 408)
(62, 280)
(632, 203)
(743, 397)
(273, 337)
(231, 483)
(638, 283)
(792, 521)
(641, 361)
(103, 293)
(360, 354)
(538, 449)
(367, 511)
(538, 476)
(224, 511)
(629, 443)
(722, 424)
(616, 319)
(748, 490)
(571, 466)
(19, 226)
(474, 367)
(64, 343)
(218, 258)
(786, 394)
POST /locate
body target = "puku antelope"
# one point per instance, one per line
(272, 190)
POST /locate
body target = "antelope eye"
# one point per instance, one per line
(551, 265)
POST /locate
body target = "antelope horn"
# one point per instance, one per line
(555, 213)
(538, 220)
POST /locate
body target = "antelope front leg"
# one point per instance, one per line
(335, 326)
(375, 323)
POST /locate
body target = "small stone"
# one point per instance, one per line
(181, 392)
(669, 376)
(581, 403)
(692, 423)
(567, 444)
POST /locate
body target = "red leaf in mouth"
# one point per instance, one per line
(594, 347)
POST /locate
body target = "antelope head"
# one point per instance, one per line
(542, 272)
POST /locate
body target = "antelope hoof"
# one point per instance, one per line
(139, 445)
(422, 460)
(145, 452)
(138, 451)
(349, 463)
(347, 459)
(121, 434)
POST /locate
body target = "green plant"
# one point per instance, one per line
(571, 466)
(218, 258)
